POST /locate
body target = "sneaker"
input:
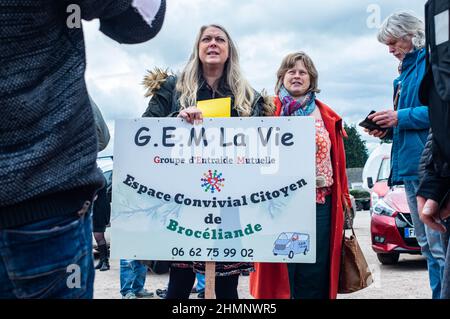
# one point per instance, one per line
(144, 293)
(201, 295)
(129, 295)
(162, 293)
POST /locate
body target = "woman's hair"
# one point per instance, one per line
(289, 62)
(188, 85)
(403, 25)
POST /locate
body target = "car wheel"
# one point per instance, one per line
(291, 254)
(275, 254)
(388, 259)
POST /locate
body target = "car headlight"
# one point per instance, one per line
(381, 208)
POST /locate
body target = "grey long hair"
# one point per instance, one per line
(403, 25)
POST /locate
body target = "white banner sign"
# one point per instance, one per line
(235, 189)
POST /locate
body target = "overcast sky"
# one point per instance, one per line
(355, 70)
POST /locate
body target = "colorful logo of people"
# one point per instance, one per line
(212, 181)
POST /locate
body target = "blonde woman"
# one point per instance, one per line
(212, 71)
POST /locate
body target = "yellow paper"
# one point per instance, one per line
(215, 107)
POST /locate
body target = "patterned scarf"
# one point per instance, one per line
(291, 107)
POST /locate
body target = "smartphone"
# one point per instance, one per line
(371, 125)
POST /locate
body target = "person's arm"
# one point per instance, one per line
(413, 118)
(433, 186)
(160, 104)
(124, 20)
(103, 136)
(432, 191)
(427, 154)
(162, 90)
(432, 211)
(264, 105)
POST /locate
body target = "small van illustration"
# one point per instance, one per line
(291, 244)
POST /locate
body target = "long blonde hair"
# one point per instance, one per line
(187, 84)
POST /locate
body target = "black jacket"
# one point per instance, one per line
(165, 99)
(48, 143)
(435, 92)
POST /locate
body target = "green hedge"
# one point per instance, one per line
(359, 193)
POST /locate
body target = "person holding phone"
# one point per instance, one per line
(407, 124)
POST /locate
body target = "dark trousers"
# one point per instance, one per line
(445, 292)
(181, 281)
(311, 281)
(101, 211)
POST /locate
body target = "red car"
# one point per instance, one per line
(392, 230)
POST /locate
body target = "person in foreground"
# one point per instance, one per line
(48, 142)
(433, 196)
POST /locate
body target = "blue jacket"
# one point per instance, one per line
(410, 135)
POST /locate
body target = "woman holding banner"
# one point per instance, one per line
(212, 71)
(296, 88)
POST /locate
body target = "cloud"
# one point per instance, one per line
(355, 71)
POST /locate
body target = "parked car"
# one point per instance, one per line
(391, 228)
(291, 244)
(376, 173)
(380, 188)
(362, 198)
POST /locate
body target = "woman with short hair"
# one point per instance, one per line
(296, 89)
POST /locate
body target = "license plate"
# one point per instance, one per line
(410, 233)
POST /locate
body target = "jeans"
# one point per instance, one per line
(200, 282)
(51, 258)
(430, 242)
(312, 281)
(132, 276)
